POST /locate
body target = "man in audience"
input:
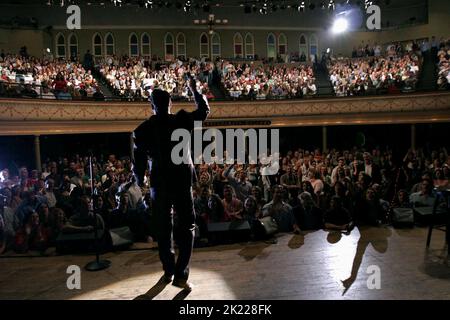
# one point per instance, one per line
(240, 184)
(281, 212)
(425, 197)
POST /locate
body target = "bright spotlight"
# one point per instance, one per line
(340, 25)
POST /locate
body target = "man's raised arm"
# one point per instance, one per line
(202, 111)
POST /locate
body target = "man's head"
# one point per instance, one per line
(228, 192)
(205, 191)
(426, 186)
(23, 173)
(277, 193)
(336, 202)
(160, 101)
(402, 195)
(367, 158)
(242, 175)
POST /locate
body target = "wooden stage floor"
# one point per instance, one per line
(316, 265)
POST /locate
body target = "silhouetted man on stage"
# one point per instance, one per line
(171, 184)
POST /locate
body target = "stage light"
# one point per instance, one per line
(367, 3)
(263, 10)
(149, 4)
(331, 5)
(340, 25)
(301, 7)
(187, 6)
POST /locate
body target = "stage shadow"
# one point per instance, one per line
(296, 241)
(252, 251)
(181, 295)
(378, 238)
(154, 291)
(334, 236)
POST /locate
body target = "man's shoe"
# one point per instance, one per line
(183, 284)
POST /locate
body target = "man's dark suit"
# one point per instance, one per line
(171, 185)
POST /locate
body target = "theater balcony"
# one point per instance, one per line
(43, 117)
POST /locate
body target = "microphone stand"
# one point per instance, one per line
(97, 264)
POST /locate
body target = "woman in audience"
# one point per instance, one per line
(32, 236)
(233, 207)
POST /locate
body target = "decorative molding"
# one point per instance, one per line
(25, 116)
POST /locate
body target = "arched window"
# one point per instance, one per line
(169, 47)
(133, 45)
(204, 46)
(249, 46)
(238, 46)
(313, 47)
(60, 45)
(215, 46)
(109, 44)
(73, 45)
(303, 48)
(145, 45)
(97, 45)
(282, 44)
(271, 47)
(181, 46)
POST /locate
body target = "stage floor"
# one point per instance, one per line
(316, 265)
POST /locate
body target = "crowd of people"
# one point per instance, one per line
(260, 81)
(358, 76)
(372, 69)
(30, 77)
(134, 78)
(41, 207)
(312, 190)
(444, 65)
